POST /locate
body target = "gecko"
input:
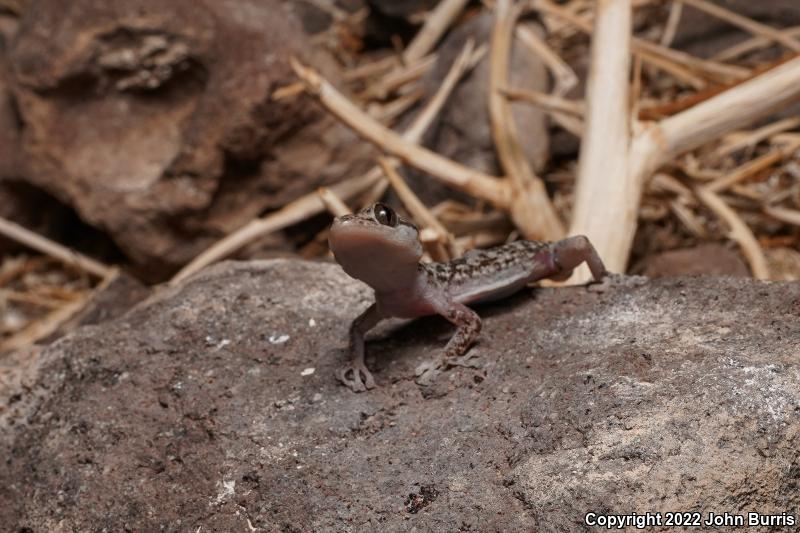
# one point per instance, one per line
(382, 249)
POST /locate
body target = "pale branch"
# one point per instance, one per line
(46, 246)
(435, 26)
(606, 196)
(333, 203)
(747, 24)
(531, 209)
(739, 232)
(655, 143)
(441, 247)
(471, 181)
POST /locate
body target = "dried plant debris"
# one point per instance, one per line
(35, 290)
(713, 154)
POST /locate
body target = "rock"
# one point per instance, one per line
(155, 120)
(402, 8)
(121, 294)
(9, 130)
(313, 17)
(463, 130)
(712, 259)
(214, 405)
(41, 213)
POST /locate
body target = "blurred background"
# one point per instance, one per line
(136, 135)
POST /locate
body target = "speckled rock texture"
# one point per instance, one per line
(213, 407)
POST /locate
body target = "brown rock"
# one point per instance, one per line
(147, 116)
(9, 130)
(214, 406)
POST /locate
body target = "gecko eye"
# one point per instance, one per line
(384, 215)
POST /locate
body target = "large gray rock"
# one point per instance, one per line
(200, 409)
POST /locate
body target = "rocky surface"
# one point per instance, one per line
(214, 406)
(155, 120)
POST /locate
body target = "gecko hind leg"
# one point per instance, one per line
(468, 325)
(571, 252)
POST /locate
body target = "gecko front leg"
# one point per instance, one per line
(468, 326)
(361, 379)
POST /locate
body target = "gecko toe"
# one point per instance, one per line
(356, 383)
(469, 360)
(616, 280)
(428, 371)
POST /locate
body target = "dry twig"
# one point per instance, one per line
(739, 232)
(333, 203)
(756, 28)
(530, 207)
(445, 170)
(46, 246)
(441, 245)
(310, 204)
(435, 25)
(605, 195)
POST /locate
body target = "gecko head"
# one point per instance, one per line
(377, 246)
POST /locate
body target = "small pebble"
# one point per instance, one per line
(278, 339)
(307, 371)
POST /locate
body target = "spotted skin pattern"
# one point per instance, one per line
(383, 250)
(484, 263)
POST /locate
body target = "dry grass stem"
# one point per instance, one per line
(565, 77)
(482, 239)
(548, 102)
(739, 232)
(687, 217)
(304, 207)
(373, 69)
(333, 203)
(46, 246)
(711, 69)
(310, 204)
(671, 27)
(436, 24)
(739, 140)
(678, 72)
(287, 92)
(752, 44)
(48, 325)
(530, 208)
(752, 167)
(387, 113)
(734, 108)
(399, 78)
(28, 298)
(606, 195)
(445, 170)
(790, 216)
(442, 246)
(750, 25)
